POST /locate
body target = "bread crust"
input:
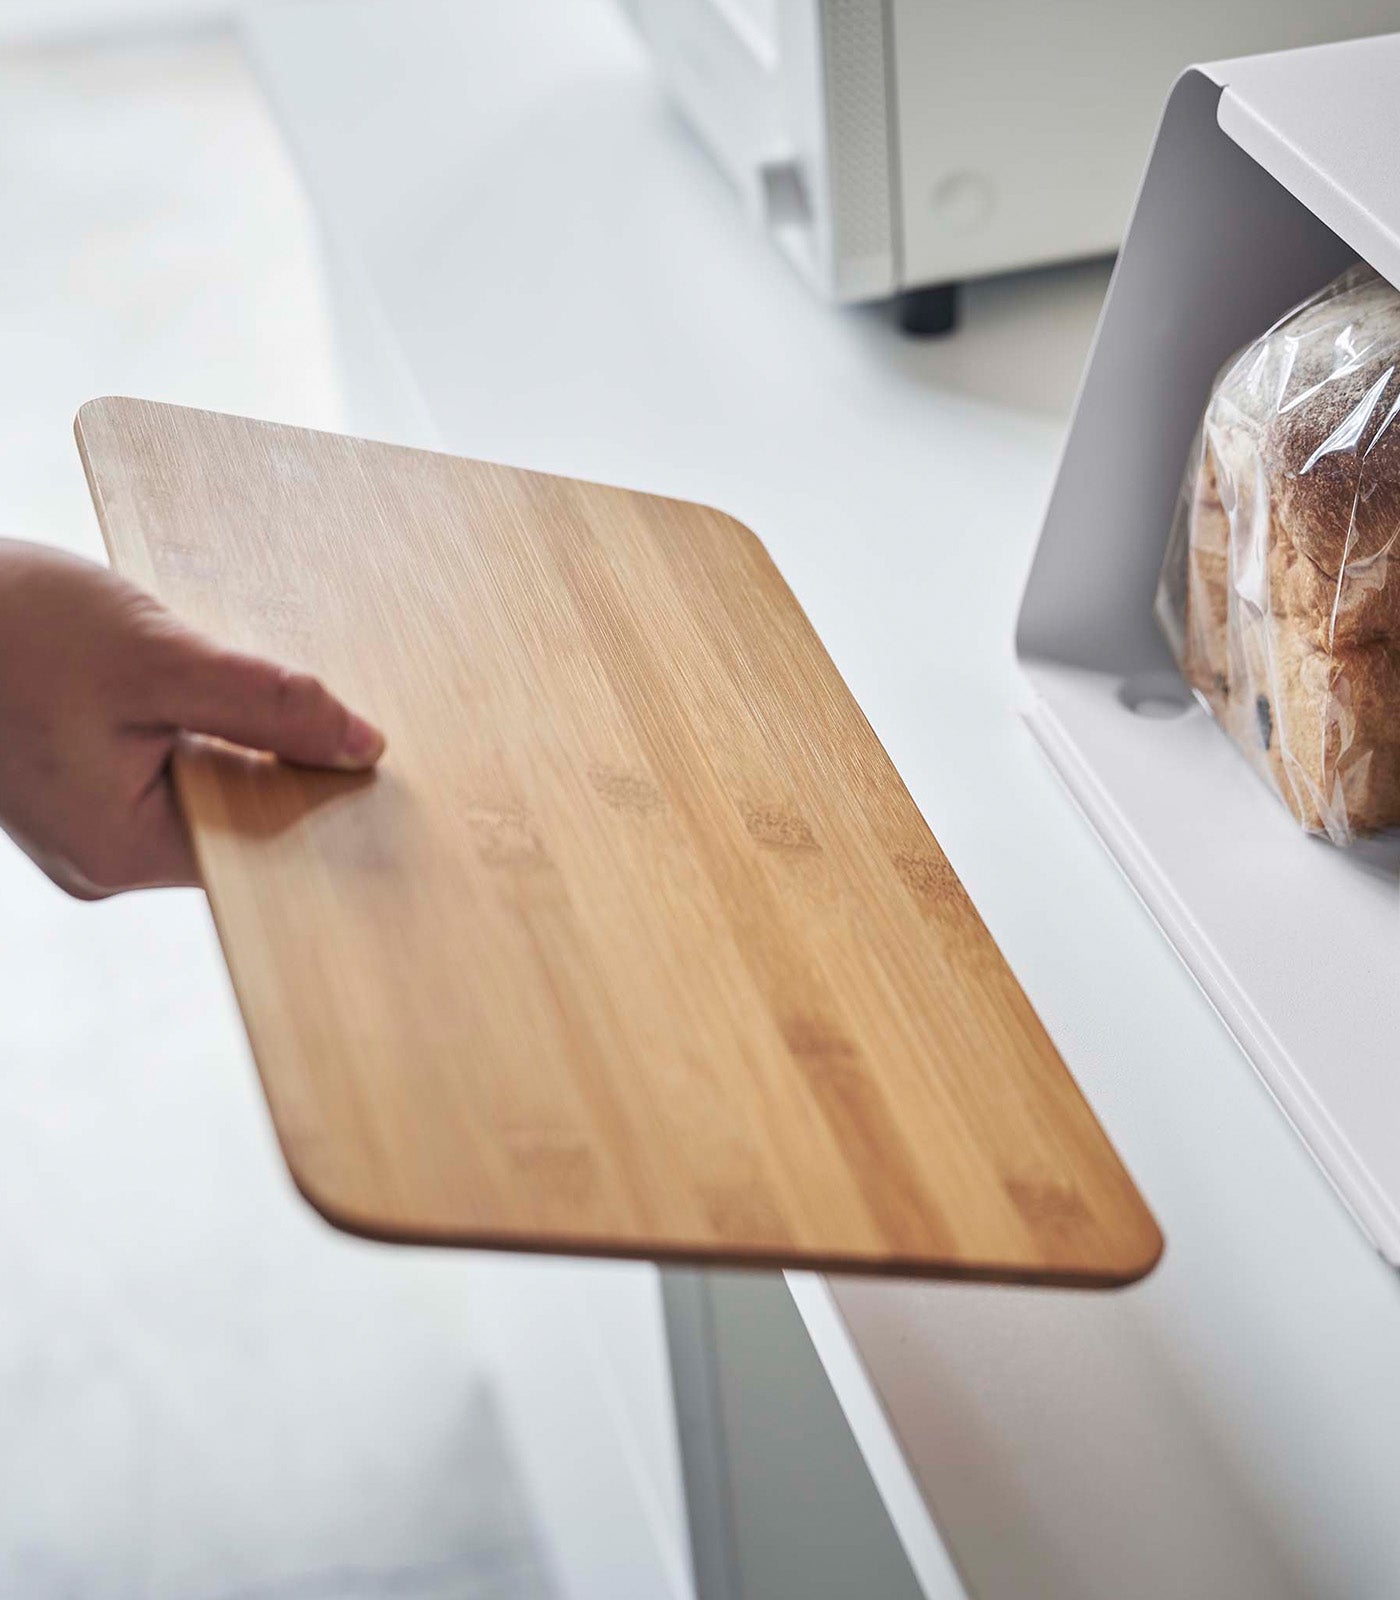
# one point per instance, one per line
(1330, 450)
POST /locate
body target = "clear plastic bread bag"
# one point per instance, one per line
(1280, 592)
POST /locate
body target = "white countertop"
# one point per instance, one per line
(558, 279)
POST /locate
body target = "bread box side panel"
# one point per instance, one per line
(1215, 251)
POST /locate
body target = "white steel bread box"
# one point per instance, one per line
(1269, 175)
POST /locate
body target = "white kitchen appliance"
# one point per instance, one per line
(901, 146)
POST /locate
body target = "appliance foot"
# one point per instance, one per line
(927, 312)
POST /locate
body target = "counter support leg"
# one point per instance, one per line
(695, 1382)
(778, 1495)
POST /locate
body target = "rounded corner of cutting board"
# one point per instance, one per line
(102, 411)
(743, 532)
(1141, 1257)
(341, 1213)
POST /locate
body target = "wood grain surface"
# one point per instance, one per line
(636, 944)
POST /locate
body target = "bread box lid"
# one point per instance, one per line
(1269, 174)
(1323, 122)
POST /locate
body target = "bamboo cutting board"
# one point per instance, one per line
(636, 943)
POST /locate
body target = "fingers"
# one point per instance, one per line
(119, 846)
(164, 856)
(159, 855)
(96, 678)
(263, 706)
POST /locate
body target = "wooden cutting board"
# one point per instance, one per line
(636, 944)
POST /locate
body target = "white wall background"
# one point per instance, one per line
(38, 19)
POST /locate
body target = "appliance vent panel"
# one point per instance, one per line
(860, 118)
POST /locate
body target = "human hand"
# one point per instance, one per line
(97, 682)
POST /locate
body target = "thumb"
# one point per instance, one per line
(263, 706)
